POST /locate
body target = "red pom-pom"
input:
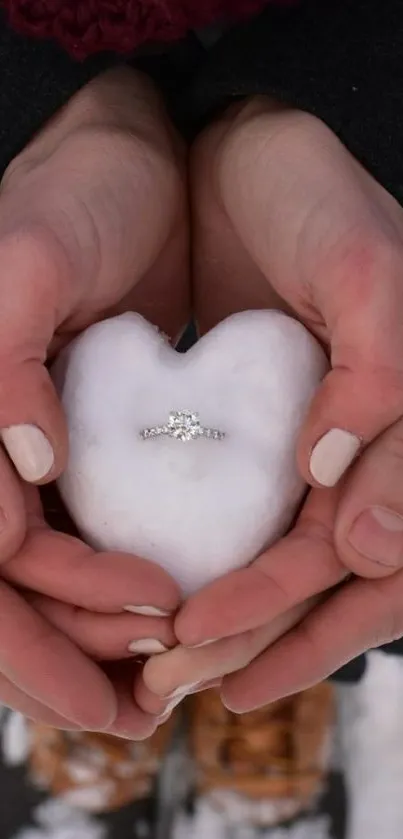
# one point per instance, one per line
(84, 27)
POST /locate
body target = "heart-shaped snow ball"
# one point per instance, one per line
(187, 459)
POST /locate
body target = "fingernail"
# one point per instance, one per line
(147, 646)
(29, 450)
(147, 611)
(229, 708)
(182, 690)
(178, 695)
(173, 703)
(202, 644)
(164, 718)
(377, 534)
(332, 456)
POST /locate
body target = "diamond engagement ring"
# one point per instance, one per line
(183, 426)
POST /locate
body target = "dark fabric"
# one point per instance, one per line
(86, 27)
(36, 79)
(339, 59)
(396, 648)
(351, 672)
(355, 670)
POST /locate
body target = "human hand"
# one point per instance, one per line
(66, 610)
(249, 609)
(92, 222)
(279, 201)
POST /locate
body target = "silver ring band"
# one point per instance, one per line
(184, 426)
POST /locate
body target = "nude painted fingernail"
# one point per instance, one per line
(147, 611)
(147, 646)
(29, 450)
(377, 534)
(172, 704)
(332, 456)
(178, 696)
(229, 708)
(164, 717)
(182, 690)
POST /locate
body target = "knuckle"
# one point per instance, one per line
(311, 529)
(268, 580)
(259, 126)
(224, 138)
(147, 158)
(15, 171)
(259, 135)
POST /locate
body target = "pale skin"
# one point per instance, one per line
(93, 221)
(276, 200)
(328, 240)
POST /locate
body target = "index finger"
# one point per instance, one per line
(300, 566)
(64, 568)
(362, 615)
(44, 664)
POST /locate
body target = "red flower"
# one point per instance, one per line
(85, 27)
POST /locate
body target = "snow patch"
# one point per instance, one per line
(15, 739)
(209, 822)
(56, 820)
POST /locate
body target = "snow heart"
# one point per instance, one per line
(187, 460)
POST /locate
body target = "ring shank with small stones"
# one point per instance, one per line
(184, 426)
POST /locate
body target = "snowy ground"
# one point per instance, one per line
(368, 754)
(25, 813)
(369, 751)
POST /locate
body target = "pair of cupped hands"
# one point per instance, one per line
(96, 217)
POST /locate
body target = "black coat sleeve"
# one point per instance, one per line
(341, 60)
(36, 79)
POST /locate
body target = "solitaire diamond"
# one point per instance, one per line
(184, 426)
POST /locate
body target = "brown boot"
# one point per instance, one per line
(266, 767)
(96, 772)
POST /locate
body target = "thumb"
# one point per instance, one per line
(362, 395)
(32, 426)
(327, 237)
(369, 523)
